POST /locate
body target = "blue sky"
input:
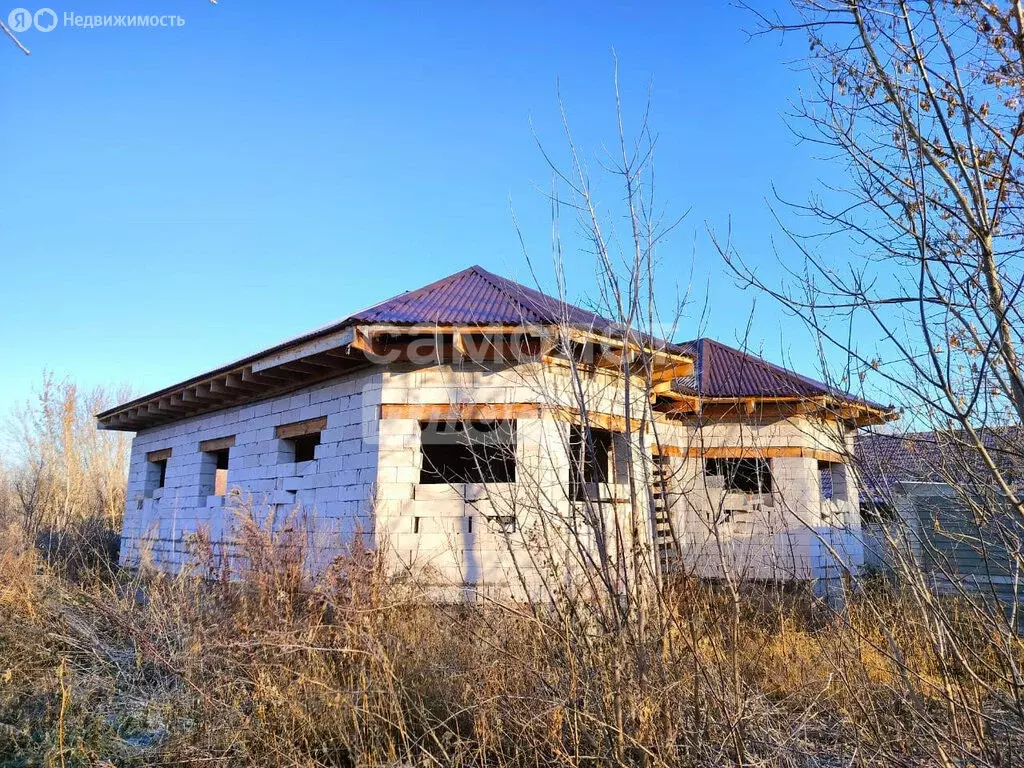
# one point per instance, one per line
(174, 198)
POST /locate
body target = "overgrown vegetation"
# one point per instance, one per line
(142, 669)
(56, 469)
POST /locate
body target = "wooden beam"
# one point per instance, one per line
(161, 455)
(217, 444)
(363, 336)
(235, 381)
(668, 450)
(763, 452)
(301, 350)
(172, 404)
(662, 387)
(607, 421)
(808, 406)
(670, 372)
(362, 340)
(263, 377)
(502, 411)
(462, 412)
(684, 404)
(300, 428)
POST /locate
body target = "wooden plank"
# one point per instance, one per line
(428, 351)
(764, 452)
(607, 421)
(609, 341)
(462, 412)
(668, 450)
(220, 482)
(500, 412)
(161, 455)
(335, 340)
(235, 381)
(300, 428)
(217, 444)
(362, 340)
(170, 404)
(364, 334)
(683, 404)
(673, 371)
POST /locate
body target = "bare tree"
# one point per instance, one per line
(62, 469)
(910, 276)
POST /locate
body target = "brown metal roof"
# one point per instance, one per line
(472, 297)
(478, 297)
(721, 371)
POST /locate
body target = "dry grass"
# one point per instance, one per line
(143, 669)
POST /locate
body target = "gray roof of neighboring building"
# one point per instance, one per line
(936, 456)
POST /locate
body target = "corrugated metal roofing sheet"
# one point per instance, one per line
(722, 371)
(476, 296)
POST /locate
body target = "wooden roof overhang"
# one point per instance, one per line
(333, 352)
(848, 411)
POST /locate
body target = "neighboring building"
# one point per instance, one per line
(485, 435)
(931, 506)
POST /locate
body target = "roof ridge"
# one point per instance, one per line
(533, 300)
(496, 282)
(422, 289)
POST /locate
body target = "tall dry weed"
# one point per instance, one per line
(356, 669)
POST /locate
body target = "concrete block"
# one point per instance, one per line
(395, 491)
(297, 483)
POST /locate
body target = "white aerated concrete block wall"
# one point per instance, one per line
(792, 533)
(456, 537)
(331, 494)
(365, 478)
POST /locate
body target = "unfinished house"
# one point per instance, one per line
(491, 439)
